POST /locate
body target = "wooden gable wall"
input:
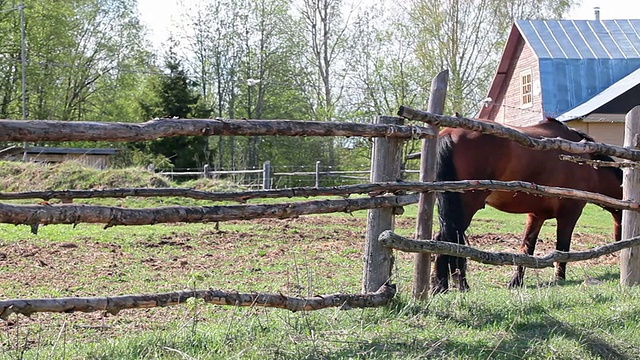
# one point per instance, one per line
(507, 107)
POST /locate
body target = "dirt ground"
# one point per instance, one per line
(261, 253)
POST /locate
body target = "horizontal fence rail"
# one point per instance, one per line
(112, 216)
(209, 173)
(49, 130)
(115, 304)
(491, 127)
(599, 163)
(395, 241)
(372, 189)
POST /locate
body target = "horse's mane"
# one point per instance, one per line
(580, 133)
(589, 138)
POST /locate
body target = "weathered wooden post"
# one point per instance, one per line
(318, 173)
(385, 166)
(424, 222)
(630, 258)
(205, 171)
(266, 175)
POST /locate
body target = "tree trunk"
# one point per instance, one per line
(385, 166)
(111, 216)
(394, 241)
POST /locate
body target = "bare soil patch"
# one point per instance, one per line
(265, 255)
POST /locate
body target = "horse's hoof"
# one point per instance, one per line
(463, 286)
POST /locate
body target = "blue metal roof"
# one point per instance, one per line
(603, 98)
(580, 58)
(582, 39)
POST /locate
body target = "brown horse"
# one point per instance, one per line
(465, 154)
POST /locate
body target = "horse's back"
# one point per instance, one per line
(483, 156)
(498, 158)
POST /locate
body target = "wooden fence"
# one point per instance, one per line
(389, 133)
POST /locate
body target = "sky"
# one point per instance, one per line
(160, 15)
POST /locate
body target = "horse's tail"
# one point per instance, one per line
(450, 210)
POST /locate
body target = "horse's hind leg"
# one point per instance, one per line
(531, 232)
(445, 265)
(453, 230)
(458, 267)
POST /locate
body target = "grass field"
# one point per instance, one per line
(305, 256)
(587, 317)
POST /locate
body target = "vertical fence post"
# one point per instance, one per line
(630, 258)
(385, 166)
(266, 175)
(318, 173)
(205, 171)
(424, 221)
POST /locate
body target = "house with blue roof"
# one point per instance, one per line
(583, 72)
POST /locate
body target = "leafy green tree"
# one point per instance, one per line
(467, 37)
(384, 75)
(85, 59)
(213, 33)
(10, 51)
(323, 25)
(248, 63)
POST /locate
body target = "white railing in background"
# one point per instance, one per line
(268, 177)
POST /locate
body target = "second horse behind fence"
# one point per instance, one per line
(470, 155)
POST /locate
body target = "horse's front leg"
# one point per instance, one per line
(566, 224)
(531, 232)
(617, 223)
(455, 212)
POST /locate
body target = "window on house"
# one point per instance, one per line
(526, 88)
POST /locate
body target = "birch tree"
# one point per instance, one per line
(386, 72)
(9, 59)
(71, 48)
(326, 33)
(467, 37)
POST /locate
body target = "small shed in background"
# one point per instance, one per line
(585, 73)
(99, 158)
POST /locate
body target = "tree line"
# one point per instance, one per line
(322, 60)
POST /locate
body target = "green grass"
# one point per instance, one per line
(560, 322)
(299, 257)
(311, 255)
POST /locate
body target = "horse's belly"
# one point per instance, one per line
(518, 203)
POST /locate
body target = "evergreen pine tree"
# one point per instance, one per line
(175, 97)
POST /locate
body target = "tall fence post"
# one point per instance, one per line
(205, 171)
(630, 258)
(385, 166)
(318, 173)
(424, 221)
(266, 175)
